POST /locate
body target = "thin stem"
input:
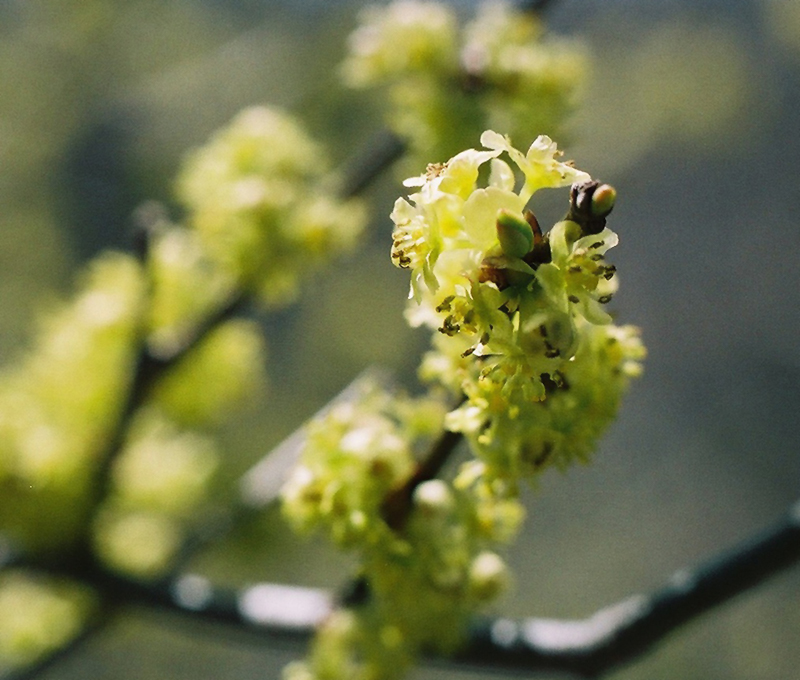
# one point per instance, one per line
(397, 506)
(381, 152)
(534, 6)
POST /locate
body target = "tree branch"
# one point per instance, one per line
(621, 632)
(589, 647)
(397, 505)
(380, 153)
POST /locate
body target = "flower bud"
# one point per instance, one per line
(488, 576)
(603, 200)
(434, 498)
(514, 233)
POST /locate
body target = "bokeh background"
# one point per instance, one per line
(691, 111)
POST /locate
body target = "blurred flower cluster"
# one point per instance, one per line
(444, 82)
(107, 423)
(258, 202)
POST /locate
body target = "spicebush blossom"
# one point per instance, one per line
(520, 335)
(256, 197)
(424, 578)
(527, 339)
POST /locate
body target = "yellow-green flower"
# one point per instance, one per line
(449, 235)
(257, 198)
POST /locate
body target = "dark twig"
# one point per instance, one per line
(534, 6)
(378, 154)
(589, 647)
(397, 505)
(619, 633)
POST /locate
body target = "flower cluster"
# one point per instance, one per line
(524, 333)
(522, 338)
(447, 83)
(40, 615)
(427, 570)
(60, 403)
(256, 198)
(353, 458)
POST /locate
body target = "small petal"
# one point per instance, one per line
(501, 175)
(480, 213)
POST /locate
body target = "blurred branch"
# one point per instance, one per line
(380, 153)
(587, 648)
(261, 484)
(621, 632)
(397, 505)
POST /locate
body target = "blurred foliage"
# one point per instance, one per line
(59, 406)
(40, 614)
